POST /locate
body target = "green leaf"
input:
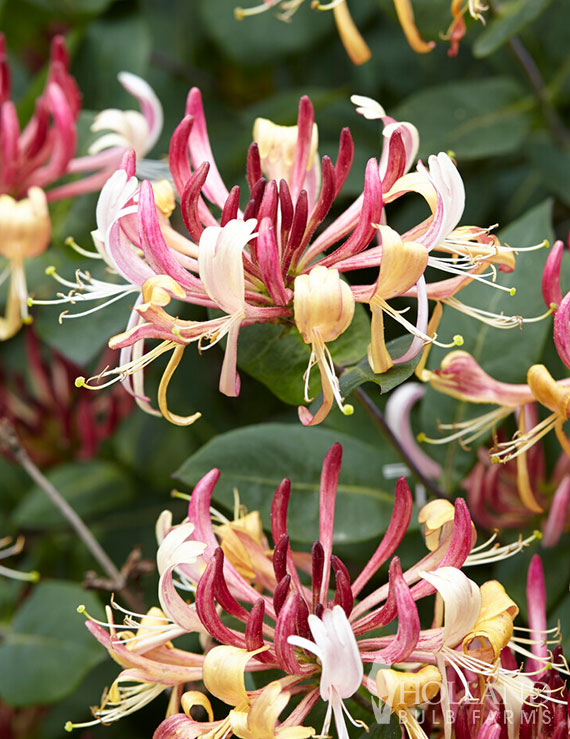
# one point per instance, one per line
(261, 38)
(353, 377)
(71, 8)
(91, 488)
(473, 118)
(278, 356)
(112, 45)
(255, 460)
(552, 163)
(48, 650)
(505, 354)
(509, 19)
(391, 730)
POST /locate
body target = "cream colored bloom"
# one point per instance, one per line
(25, 230)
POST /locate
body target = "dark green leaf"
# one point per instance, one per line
(91, 488)
(255, 459)
(48, 650)
(278, 356)
(509, 19)
(71, 8)
(112, 45)
(261, 38)
(353, 377)
(552, 162)
(474, 118)
(389, 730)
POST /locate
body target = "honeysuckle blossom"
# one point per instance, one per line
(25, 230)
(261, 265)
(461, 377)
(355, 46)
(323, 307)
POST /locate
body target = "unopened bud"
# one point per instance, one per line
(25, 226)
(277, 147)
(323, 304)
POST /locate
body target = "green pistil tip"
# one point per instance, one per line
(546, 244)
(81, 609)
(458, 340)
(451, 153)
(50, 270)
(34, 576)
(537, 534)
(68, 726)
(238, 14)
(512, 291)
(421, 437)
(553, 306)
(79, 381)
(27, 320)
(348, 410)
(29, 302)
(70, 241)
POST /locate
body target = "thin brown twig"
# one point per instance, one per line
(10, 442)
(378, 417)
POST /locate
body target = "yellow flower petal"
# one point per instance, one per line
(405, 689)
(494, 627)
(194, 698)
(548, 392)
(223, 673)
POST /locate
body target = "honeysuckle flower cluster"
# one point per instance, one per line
(510, 702)
(493, 491)
(269, 263)
(460, 376)
(262, 608)
(52, 421)
(497, 494)
(35, 159)
(356, 47)
(494, 498)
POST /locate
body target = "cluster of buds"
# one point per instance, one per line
(272, 609)
(35, 159)
(270, 263)
(356, 47)
(52, 422)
